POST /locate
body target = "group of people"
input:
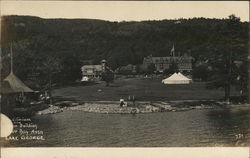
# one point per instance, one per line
(23, 99)
(45, 96)
(130, 98)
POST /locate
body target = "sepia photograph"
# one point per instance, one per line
(125, 74)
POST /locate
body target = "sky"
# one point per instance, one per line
(127, 10)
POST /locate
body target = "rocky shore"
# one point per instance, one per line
(113, 107)
(51, 110)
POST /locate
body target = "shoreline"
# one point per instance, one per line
(113, 107)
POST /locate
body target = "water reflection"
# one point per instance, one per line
(208, 127)
(229, 123)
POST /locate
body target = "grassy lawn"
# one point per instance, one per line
(145, 89)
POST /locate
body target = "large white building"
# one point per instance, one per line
(184, 62)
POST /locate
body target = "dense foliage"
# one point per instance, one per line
(228, 60)
(73, 42)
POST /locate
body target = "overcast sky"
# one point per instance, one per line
(127, 10)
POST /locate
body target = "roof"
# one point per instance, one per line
(169, 59)
(175, 76)
(177, 79)
(182, 76)
(12, 84)
(5, 87)
(96, 67)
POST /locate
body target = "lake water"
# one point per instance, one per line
(204, 127)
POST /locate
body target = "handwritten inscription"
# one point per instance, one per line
(25, 129)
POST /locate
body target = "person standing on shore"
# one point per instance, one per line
(121, 102)
(133, 100)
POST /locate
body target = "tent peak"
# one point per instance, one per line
(177, 79)
(16, 84)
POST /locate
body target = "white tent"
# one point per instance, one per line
(177, 79)
(184, 77)
(14, 84)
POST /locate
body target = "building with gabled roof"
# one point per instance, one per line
(184, 62)
(95, 71)
(12, 84)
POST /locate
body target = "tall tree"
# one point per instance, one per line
(230, 50)
(48, 72)
(108, 77)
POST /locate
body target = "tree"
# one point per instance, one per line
(108, 77)
(201, 72)
(48, 71)
(120, 43)
(223, 60)
(172, 68)
(70, 70)
(151, 68)
(242, 80)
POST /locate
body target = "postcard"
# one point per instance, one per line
(125, 79)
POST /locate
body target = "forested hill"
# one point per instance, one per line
(72, 42)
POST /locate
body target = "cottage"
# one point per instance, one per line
(95, 71)
(91, 71)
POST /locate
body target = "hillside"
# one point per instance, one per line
(70, 43)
